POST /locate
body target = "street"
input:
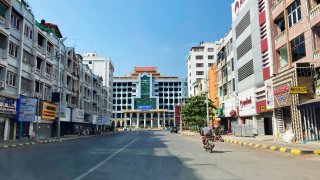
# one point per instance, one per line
(150, 155)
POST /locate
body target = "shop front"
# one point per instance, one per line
(7, 118)
(65, 120)
(291, 88)
(229, 115)
(46, 127)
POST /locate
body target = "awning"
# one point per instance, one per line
(313, 103)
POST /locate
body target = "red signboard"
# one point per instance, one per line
(177, 112)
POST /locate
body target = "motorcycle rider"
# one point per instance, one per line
(206, 133)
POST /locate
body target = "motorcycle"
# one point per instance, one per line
(209, 143)
(216, 133)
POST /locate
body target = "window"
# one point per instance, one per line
(294, 13)
(37, 88)
(210, 49)
(210, 64)
(11, 79)
(15, 21)
(26, 84)
(199, 72)
(28, 32)
(232, 64)
(55, 72)
(13, 49)
(199, 57)
(298, 49)
(3, 9)
(243, 24)
(49, 48)
(210, 57)
(90, 62)
(199, 65)
(27, 57)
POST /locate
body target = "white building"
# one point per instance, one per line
(200, 58)
(103, 67)
(146, 98)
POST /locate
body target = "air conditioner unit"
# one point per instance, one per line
(1, 85)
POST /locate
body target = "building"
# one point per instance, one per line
(39, 72)
(295, 30)
(103, 67)
(146, 99)
(253, 54)
(199, 59)
(227, 94)
(213, 85)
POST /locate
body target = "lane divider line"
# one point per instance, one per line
(104, 161)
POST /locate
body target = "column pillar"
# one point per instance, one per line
(151, 120)
(158, 120)
(125, 120)
(144, 120)
(138, 114)
(130, 120)
(164, 119)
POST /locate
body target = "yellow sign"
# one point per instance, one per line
(263, 108)
(298, 90)
(48, 111)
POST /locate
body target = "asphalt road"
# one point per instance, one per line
(150, 155)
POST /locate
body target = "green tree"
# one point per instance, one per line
(195, 110)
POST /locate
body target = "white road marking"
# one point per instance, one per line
(104, 161)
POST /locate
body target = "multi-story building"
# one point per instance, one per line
(295, 29)
(35, 64)
(253, 55)
(227, 95)
(199, 60)
(103, 67)
(146, 98)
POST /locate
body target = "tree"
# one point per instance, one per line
(195, 110)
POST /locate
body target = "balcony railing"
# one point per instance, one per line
(280, 37)
(316, 54)
(276, 5)
(315, 11)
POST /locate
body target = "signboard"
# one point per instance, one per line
(177, 113)
(145, 86)
(282, 96)
(298, 90)
(67, 117)
(145, 103)
(48, 111)
(26, 109)
(8, 105)
(77, 115)
(62, 107)
(269, 94)
(237, 6)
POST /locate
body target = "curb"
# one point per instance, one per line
(17, 144)
(273, 148)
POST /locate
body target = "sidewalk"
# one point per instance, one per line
(268, 142)
(27, 142)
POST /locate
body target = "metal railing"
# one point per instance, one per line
(316, 54)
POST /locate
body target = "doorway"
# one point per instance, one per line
(268, 126)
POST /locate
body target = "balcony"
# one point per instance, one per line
(316, 54)
(280, 40)
(315, 11)
(315, 15)
(277, 8)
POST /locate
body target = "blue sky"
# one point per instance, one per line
(138, 32)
